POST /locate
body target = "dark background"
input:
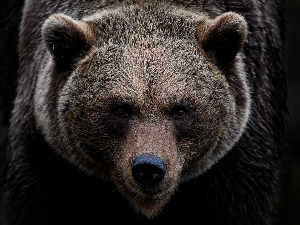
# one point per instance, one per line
(288, 204)
(289, 196)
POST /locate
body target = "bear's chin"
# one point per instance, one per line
(146, 204)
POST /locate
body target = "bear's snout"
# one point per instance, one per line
(148, 171)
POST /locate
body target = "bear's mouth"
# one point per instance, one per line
(150, 189)
(147, 200)
(146, 186)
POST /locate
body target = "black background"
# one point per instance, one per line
(289, 196)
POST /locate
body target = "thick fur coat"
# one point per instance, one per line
(197, 84)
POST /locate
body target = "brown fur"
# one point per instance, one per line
(81, 61)
(138, 63)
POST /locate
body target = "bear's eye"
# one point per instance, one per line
(122, 111)
(179, 113)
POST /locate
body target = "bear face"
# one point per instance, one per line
(143, 103)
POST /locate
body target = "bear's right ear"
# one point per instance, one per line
(66, 39)
(223, 37)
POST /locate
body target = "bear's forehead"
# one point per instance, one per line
(140, 75)
(156, 64)
(122, 23)
(145, 51)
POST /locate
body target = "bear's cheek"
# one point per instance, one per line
(199, 136)
(96, 133)
(90, 129)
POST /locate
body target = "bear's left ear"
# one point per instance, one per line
(223, 37)
(67, 39)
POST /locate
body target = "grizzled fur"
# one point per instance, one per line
(102, 82)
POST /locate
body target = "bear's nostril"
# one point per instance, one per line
(147, 173)
(148, 170)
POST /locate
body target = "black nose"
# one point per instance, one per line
(148, 170)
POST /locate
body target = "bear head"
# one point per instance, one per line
(143, 96)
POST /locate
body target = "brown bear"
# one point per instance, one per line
(145, 112)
